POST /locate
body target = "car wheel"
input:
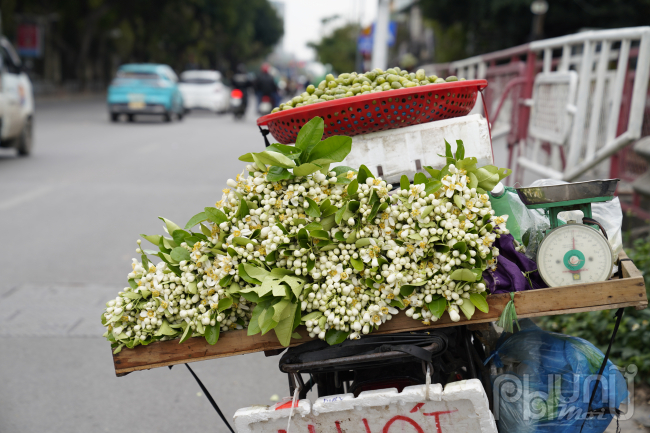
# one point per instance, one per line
(26, 139)
(180, 116)
(114, 117)
(131, 117)
(167, 117)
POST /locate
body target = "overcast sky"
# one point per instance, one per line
(303, 20)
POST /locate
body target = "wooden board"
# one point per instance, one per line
(615, 293)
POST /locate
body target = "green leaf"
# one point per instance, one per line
(404, 182)
(212, 333)
(458, 201)
(305, 169)
(309, 136)
(165, 329)
(154, 239)
(187, 333)
(342, 169)
(312, 210)
(179, 253)
(251, 297)
(242, 241)
(277, 174)
(438, 307)
(332, 336)
(448, 153)
(171, 227)
(215, 215)
(279, 310)
(224, 304)
(180, 236)
(479, 302)
(339, 214)
(267, 321)
(419, 178)
(432, 186)
(357, 264)
(461, 247)
(244, 275)
(295, 283)
(284, 328)
(192, 288)
(275, 159)
(243, 211)
(463, 275)
(296, 336)
(460, 150)
(353, 187)
(435, 174)
(258, 162)
(145, 261)
(468, 309)
(289, 151)
(247, 157)
(473, 181)
(364, 173)
(281, 272)
(314, 226)
(314, 315)
(254, 325)
(327, 208)
(468, 164)
(255, 272)
(319, 234)
(332, 149)
(328, 222)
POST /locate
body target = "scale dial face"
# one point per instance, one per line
(574, 254)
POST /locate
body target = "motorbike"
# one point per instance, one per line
(265, 105)
(238, 103)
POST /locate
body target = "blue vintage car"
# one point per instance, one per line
(145, 88)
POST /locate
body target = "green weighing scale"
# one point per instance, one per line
(572, 253)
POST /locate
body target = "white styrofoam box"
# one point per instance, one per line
(397, 150)
(461, 407)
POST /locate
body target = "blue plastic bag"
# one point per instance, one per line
(545, 382)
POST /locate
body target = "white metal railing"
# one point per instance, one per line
(603, 61)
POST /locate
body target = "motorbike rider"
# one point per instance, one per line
(265, 86)
(242, 81)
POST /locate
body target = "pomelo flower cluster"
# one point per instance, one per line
(327, 248)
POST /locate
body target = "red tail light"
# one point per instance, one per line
(266, 99)
(236, 94)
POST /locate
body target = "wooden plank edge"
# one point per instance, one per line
(497, 302)
(629, 268)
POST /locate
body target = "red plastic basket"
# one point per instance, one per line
(380, 111)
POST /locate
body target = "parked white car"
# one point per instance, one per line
(16, 102)
(204, 90)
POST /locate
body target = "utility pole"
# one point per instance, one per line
(380, 36)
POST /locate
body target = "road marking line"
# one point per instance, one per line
(24, 198)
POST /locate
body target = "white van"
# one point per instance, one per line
(16, 102)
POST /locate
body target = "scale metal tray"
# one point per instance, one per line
(576, 192)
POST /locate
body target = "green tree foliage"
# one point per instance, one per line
(339, 49)
(206, 33)
(633, 337)
(487, 26)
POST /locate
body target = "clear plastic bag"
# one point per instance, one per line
(527, 226)
(609, 214)
(545, 380)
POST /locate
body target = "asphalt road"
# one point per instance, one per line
(69, 218)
